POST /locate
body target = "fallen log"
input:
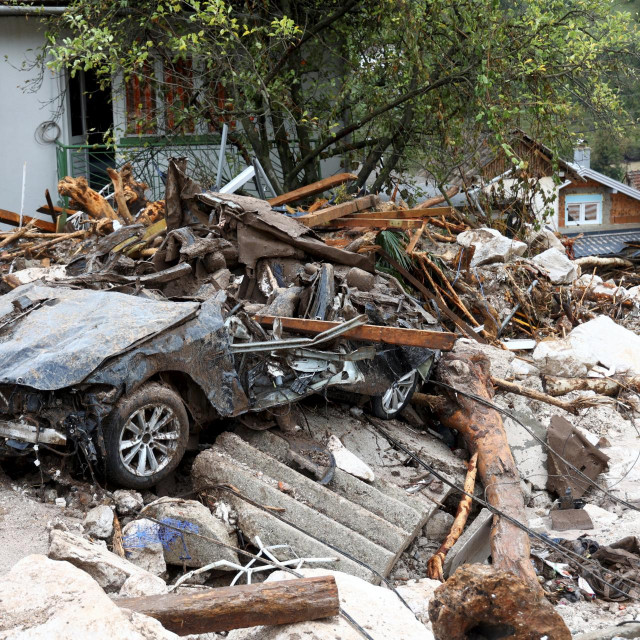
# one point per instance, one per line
(250, 605)
(86, 199)
(597, 261)
(312, 189)
(604, 386)
(435, 562)
(483, 432)
(438, 199)
(368, 332)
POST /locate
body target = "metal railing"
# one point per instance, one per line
(149, 161)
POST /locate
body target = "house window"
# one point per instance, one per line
(583, 209)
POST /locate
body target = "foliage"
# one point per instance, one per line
(420, 85)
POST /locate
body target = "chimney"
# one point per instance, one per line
(582, 156)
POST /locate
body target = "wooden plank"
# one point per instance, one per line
(338, 211)
(403, 214)
(45, 209)
(241, 606)
(373, 223)
(312, 189)
(370, 333)
(12, 218)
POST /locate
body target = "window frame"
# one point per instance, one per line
(582, 200)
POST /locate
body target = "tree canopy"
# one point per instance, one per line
(388, 84)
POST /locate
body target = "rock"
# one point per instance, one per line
(360, 279)
(600, 340)
(490, 601)
(417, 594)
(142, 546)
(60, 502)
(546, 239)
(194, 516)
(438, 526)
(349, 462)
(491, 246)
(501, 359)
(128, 502)
(143, 584)
(41, 599)
(107, 569)
(99, 522)
(557, 266)
(376, 609)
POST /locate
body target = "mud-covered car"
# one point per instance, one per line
(126, 380)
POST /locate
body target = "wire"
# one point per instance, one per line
(545, 540)
(499, 409)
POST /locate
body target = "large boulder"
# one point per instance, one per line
(376, 609)
(184, 516)
(490, 246)
(41, 599)
(558, 268)
(109, 570)
(143, 546)
(600, 340)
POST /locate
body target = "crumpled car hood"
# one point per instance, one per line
(61, 342)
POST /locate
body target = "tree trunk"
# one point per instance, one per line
(248, 605)
(484, 433)
(86, 199)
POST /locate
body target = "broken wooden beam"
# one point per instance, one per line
(312, 189)
(405, 214)
(46, 209)
(377, 223)
(370, 333)
(9, 217)
(241, 606)
(338, 211)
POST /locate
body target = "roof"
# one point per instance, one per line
(632, 178)
(603, 243)
(596, 176)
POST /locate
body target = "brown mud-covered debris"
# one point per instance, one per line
(481, 599)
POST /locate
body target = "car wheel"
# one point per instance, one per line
(145, 437)
(396, 397)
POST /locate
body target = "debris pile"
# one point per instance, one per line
(349, 393)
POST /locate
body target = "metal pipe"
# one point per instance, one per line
(28, 11)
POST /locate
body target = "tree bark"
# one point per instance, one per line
(85, 198)
(603, 386)
(484, 433)
(121, 201)
(242, 606)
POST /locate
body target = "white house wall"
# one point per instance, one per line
(20, 115)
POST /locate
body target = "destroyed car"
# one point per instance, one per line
(126, 380)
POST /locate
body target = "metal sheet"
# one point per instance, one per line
(60, 343)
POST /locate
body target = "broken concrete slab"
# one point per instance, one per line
(558, 268)
(490, 246)
(188, 515)
(107, 569)
(376, 609)
(349, 462)
(143, 546)
(473, 546)
(41, 599)
(600, 340)
(567, 519)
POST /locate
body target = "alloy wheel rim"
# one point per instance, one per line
(397, 393)
(149, 439)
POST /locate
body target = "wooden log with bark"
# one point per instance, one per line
(85, 198)
(118, 191)
(436, 561)
(603, 386)
(484, 434)
(241, 606)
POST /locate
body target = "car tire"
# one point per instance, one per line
(145, 436)
(396, 397)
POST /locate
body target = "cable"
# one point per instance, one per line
(507, 413)
(546, 541)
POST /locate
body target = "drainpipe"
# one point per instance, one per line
(28, 11)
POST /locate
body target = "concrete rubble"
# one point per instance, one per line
(294, 375)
